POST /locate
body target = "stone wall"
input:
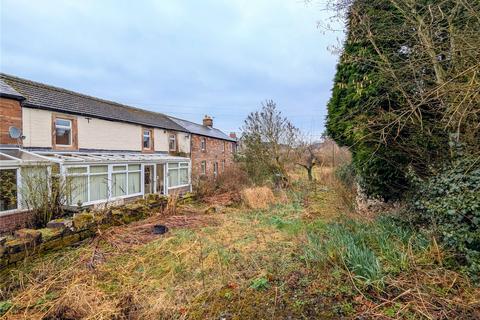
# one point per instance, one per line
(61, 233)
(214, 152)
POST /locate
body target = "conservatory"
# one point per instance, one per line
(91, 178)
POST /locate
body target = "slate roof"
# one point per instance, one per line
(7, 91)
(42, 96)
(202, 130)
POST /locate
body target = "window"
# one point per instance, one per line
(223, 165)
(223, 147)
(92, 183)
(119, 181)
(8, 189)
(134, 173)
(172, 142)
(204, 167)
(203, 143)
(233, 146)
(77, 185)
(178, 174)
(147, 139)
(215, 169)
(98, 183)
(34, 185)
(63, 132)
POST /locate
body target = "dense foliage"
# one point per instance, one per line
(450, 202)
(407, 81)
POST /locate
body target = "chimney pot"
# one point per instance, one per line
(233, 135)
(208, 121)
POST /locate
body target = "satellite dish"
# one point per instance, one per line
(14, 132)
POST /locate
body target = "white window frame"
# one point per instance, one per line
(19, 202)
(203, 144)
(215, 169)
(109, 181)
(181, 165)
(172, 137)
(203, 167)
(149, 135)
(64, 127)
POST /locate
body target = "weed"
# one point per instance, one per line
(5, 306)
(260, 284)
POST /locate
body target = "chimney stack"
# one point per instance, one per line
(233, 135)
(208, 121)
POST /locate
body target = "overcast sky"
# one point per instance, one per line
(186, 58)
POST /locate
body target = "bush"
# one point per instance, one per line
(233, 179)
(449, 204)
(346, 174)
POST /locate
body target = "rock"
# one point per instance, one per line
(60, 224)
(31, 234)
(17, 245)
(213, 209)
(82, 221)
(50, 234)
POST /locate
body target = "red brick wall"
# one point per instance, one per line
(14, 221)
(10, 115)
(213, 153)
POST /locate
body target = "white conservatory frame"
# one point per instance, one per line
(67, 160)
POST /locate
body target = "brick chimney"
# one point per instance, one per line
(208, 121)
(233, 135)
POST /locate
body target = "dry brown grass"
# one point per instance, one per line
(258, 197)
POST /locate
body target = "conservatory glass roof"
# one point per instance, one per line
(107, 157)
(15, 156)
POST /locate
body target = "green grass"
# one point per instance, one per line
(283, 262)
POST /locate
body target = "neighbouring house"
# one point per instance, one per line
(211, 150)
(109, 152)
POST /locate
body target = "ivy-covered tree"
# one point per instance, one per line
(406, 83)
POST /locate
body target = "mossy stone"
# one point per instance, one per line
(83, 221)
(50, 234)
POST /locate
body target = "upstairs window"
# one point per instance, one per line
(63, 132)
(223, 146)
(147, 139)
(203, 144)
(172, 142)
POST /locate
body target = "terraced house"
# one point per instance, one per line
(109, 152)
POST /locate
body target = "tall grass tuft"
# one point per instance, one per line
(369, 251)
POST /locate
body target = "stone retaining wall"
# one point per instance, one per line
(61, 233)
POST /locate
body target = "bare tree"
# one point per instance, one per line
(268, 139)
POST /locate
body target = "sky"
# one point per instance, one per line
(185, 58)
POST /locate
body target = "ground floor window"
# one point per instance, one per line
(215, 169)
(99, 182)
(204, 167)
(8, 189)
(35, 186)
(177, 174)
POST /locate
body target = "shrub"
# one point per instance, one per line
(233, 179)
(258, 197)
(346, 174)
(449, 204)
